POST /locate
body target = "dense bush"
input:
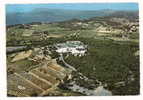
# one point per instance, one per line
(112, 63)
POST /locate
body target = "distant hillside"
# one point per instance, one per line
(131, 15)
(54, 15)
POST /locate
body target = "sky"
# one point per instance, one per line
(72, 6)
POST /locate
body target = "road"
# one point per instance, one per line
(99, 91)
(66, 64)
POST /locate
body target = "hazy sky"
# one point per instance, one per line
(72, 6)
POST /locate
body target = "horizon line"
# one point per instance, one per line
(74, 7)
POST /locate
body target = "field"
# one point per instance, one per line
(112, 57)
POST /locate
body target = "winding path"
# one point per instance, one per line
(66, 64)
(99, 91)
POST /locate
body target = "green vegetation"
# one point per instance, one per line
(110, 57)
(20, 66)
(110, 63)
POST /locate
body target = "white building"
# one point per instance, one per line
(73, 47)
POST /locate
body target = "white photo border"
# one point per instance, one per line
(3, 74)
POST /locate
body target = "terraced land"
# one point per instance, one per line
(112, 58)
(37, 82)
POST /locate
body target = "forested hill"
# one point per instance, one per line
(54, 15)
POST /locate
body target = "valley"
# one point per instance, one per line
(108, 65)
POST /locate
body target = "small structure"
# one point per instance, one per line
(74, 47)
